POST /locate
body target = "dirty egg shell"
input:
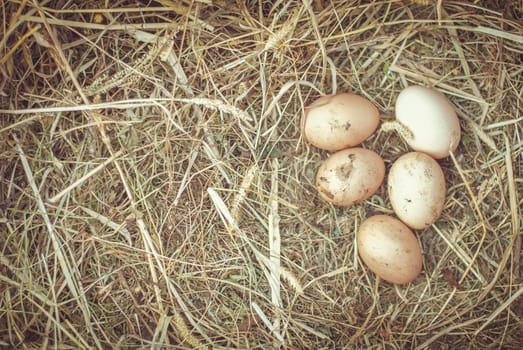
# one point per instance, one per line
(431, 121)
(350, 176)
(339, 121)
(389, 249)
(417, 190)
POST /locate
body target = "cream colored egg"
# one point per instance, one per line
(430, 120)
(416, 186)
(350, 176)
(389, 249)
(339, 121)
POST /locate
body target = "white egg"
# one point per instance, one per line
(430, 119)
(416, 186)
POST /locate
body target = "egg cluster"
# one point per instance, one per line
(427, 121)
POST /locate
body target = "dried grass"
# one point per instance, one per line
(155, 190)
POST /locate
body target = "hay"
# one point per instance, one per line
(155, 190)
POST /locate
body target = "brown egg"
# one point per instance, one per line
(389, 249)
(339, 121)
(350, 176)
(416, 186)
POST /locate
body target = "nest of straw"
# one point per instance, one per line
(156, 191)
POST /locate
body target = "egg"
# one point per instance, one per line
(389, 249)
(430, 119)
(417, 190)
(350, 176)
(339, 121)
